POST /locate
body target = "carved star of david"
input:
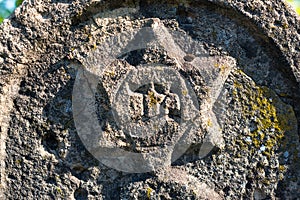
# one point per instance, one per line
(214, 70)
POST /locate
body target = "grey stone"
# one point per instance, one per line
(240, 60)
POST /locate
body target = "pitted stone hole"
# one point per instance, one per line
(259, 194)
(25, 89)
(151, 100)
(11, 176)
(81, 194)
(50, 142)
(147, 56)
(51, 180)
(189, 57)
(77, 169)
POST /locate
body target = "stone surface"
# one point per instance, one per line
(249, 87)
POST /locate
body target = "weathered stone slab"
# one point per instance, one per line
(150, 100)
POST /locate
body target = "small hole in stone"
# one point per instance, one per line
(80, 194)
(10, 176)
(50, 141)
(189, 57)
(259, 194)
(226, 190)
(51, 180)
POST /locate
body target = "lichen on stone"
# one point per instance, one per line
(264, 110)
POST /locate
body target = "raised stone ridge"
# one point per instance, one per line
(223, 82)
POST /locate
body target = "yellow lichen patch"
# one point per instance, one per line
(271, 117)
(221, 67)
(110, 73)
(94, 46)
(266, 182)
(59, 190)
(209, 122)
(256, 142)
(149, 191)
(153, 99)
(184, 92)
(285, 25)
(270, 143)
(281, 168)
(18, 161)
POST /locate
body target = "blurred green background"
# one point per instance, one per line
(8, 6)
(295, 4)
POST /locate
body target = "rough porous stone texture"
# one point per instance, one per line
(45, 43)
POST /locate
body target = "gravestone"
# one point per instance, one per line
(150, 100)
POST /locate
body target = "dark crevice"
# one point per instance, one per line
(81, 194)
